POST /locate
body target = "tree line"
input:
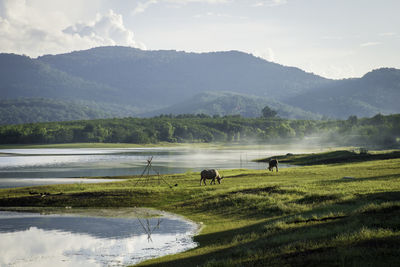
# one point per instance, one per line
(378, 131)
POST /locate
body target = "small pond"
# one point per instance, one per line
(88, 239)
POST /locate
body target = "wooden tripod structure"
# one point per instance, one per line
(146, 177)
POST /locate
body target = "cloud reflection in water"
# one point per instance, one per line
(50, 247)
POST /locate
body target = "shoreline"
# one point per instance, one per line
(214, 145)
(254, 216)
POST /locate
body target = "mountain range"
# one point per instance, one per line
(123, 81)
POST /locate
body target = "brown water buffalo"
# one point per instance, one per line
(273, 163)
(210, 174)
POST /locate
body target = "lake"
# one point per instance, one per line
(32, 239)
(27, 167)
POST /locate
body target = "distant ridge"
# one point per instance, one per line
(126, 81)
(228, 103)
(171, 76)
(377, 91)
(23, 110)
(21, 76)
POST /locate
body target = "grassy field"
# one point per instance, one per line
(300, 216)
(335, 156)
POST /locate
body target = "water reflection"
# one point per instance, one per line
(28, 239)
(102, 162)
(62, 163)
(21, 182)
(148, 228)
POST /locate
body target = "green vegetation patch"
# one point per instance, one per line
(341, 156)
(300, 216)
(380, 131)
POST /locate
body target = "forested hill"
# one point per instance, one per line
(21, 76)
(229, 103)
(376, 92)
(171, 76)
(125, 81)
(22, 110)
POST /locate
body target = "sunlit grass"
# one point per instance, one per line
(299, 216)
(335, 156)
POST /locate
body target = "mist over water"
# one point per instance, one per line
(25, 167)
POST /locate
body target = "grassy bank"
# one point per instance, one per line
(300, 216)
(337, 156)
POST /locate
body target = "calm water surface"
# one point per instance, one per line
(31, 239)
(25, 167)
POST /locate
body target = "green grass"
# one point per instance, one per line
(300, 216)
(337, 156)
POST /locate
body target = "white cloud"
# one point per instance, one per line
(270, 3)
(107, 29)
(370, 44)
(27, 29)
(332, 38)
(388, 34)
(198, 1)
(142, 6)
(217, 15)
(267, 54)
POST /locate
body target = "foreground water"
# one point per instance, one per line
(31, 239)
(26, 167)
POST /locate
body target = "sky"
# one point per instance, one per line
(332, 38)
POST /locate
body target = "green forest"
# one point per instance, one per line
(31, 110)
(378, 131)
